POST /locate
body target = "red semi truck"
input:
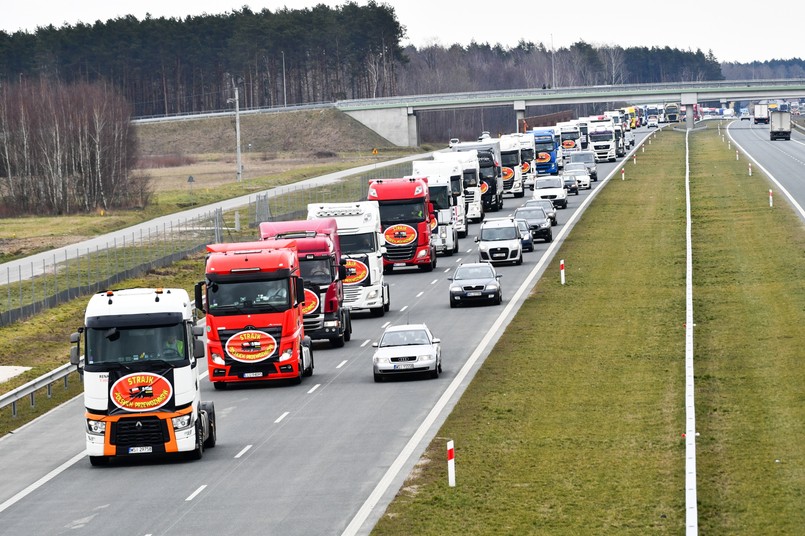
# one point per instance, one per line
(319, 250)
(407, 218)
(253, 296)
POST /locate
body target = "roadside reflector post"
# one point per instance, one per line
(562, 271)
(642, 148)
(736, 154)
(623, 174)
(634, 159)
(771, 198)
(729, 144)
(451, 464)
(750, 169)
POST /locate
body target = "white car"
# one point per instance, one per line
(499, 241)
(652, 122)
(407, 349)
(581, 174)
(552, 188)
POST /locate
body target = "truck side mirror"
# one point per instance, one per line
(300, 290)
(198, 349)
(342, 272)
(199, 294)
(75, 359)
(75, 350)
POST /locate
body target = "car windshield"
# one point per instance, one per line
(474, 272)
(510, 232)
(575, 167)
(523, 225)
(547, 183)
(410, 337)
(530, 213)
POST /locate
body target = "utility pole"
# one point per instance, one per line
(239, 172)
(553, 67)
(284, 90)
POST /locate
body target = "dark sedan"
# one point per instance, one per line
(538, 222)
(475, 282)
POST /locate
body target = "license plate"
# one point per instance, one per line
(401, 264)
(405, 366)
(472, 294)
(499, 255)
(252, 374)
(140, 450)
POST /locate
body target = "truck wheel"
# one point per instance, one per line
(99, 461)
(198, 452)
(337, 342)
(309, 371)
(387, 305)
(219, 386)
(388, 268)
(347, 326)
(377, 312)
(209, 409)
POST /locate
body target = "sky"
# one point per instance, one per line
(722, 28)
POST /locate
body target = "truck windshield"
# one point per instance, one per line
(406, 212)
(488, 172)
(570, 135)
(440, 197)
(126, 345)
(510, 159)
(470, 179)
(358, 243)
(316, 271)
(527, 154)
(233, 298)
(545, 146)
(601, 136)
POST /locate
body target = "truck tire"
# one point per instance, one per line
(98, 461)
(219, 386)
(387, 304)
(347, 326)
(212, 437)
(309, 371)
(337, 342)
(198, 452)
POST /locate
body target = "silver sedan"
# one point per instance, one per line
(407, 349)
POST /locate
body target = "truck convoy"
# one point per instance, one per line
(471, 177)
(363, 246)
(489, 164)
(761, 114)
(406, 216)
(140, 374)
(780, 126)
(546, 148)
(254, 299)
(323, 272)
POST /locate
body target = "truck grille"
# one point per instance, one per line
(315, 322)
(508, 183)
(469, 198)
(139, 432)
(400, 253)
(352, 293)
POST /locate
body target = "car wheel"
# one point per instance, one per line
(378, 378)
(453, 304)
(435, 372)
(519, 261)
(549, 238)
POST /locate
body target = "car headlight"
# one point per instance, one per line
(545, 224)
(182, 421)
(492, 286)
(425, 357)
(380, 360)
(286, 355)
(455, 288)
(96, 427)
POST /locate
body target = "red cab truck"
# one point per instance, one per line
(253, 296)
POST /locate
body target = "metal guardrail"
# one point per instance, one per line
(29, 389)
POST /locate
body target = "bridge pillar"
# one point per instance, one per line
(398, 124)
(688, 100)
(519, 110)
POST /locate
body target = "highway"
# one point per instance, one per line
(323, 457)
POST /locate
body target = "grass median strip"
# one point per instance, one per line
(574, 424)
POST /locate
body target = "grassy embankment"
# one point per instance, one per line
(574, 424)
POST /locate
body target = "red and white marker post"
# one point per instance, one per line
(750, 169)
(451, 464)
(771, 199)
(736, 154)
(562, 271)
(623, 174)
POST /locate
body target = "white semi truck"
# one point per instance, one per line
(512, 165)
(362, 245)
(454, 173)
(570, 138)
(528, 155)
(444, 234)
(601, 133)
(471, 181)
(141, 361)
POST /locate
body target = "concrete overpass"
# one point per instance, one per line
(395, 119)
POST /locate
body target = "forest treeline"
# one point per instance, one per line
(166, 66)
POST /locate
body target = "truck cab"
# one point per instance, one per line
(471, 181)
(512, 165)
(140, 371)
(489, 162)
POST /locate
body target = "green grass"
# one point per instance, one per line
(574, 423)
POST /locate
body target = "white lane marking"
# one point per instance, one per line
(314, 388)
(419, 295)
(459, 260)
(364, 343)
(42, 481)
(279, 419)
(401, 310)
(434, 281)
(446, 270)
(389, 322)
(242, 452)
(469, 251)
(193, 495)
(203, 374)
(344, 362)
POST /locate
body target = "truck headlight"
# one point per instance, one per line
(331, 324)
(422, 253)
(286, 355)
(371, 295)
(182, 421)
(217, 358)
(96, 427)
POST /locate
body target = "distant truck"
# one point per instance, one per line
(489, 162)
(780, 126)
(761, 114)
(363, 245)
(547, 151)
(142, 355)
(471, 181)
